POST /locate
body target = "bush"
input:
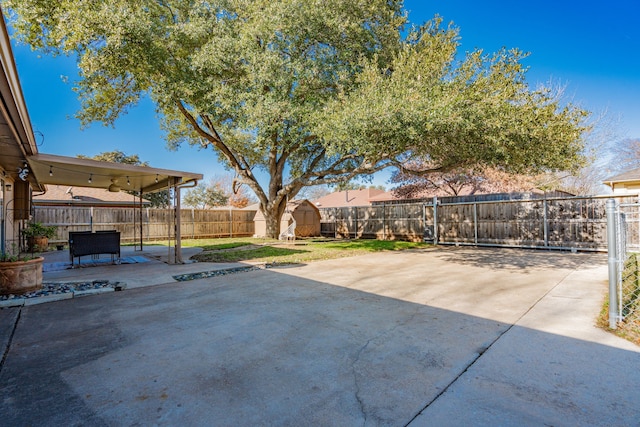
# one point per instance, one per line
(36, 229)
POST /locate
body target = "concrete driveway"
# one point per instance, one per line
(455, 336)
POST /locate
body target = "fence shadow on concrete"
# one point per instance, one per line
(501, 258)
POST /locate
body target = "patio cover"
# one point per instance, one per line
(73, 171)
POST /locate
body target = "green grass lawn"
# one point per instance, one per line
(300, 251)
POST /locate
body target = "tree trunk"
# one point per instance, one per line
(272, 219)
(272, 226)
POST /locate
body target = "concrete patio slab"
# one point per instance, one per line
(437, 337)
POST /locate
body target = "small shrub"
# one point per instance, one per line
(36, 229)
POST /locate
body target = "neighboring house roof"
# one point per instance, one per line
(390, 196)
(85, 196)
(466, 196)
(629, 176)
(347, 198)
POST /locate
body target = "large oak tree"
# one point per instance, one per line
(312, 92)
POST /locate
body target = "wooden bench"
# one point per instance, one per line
(87, 243)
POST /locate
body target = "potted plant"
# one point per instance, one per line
(38, 235)
(19, 274)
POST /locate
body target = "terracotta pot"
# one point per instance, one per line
(37, 243)
(18, 277)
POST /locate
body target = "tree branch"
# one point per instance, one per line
(246, 173)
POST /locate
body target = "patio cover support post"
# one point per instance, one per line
(178, 248)
(170, 255)
(135, 224)
(140, 217)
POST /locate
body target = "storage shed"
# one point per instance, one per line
(306, 215)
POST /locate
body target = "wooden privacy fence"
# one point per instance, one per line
(560, 223)
(156, 223)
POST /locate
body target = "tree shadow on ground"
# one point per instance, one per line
(519, 259)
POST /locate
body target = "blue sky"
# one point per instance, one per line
(592, 48)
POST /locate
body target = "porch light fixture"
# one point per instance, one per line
(156, 178)
(23, 172)
(7, 187)
(114, 187)
(50, 170)
(90, 178)
(128, 182)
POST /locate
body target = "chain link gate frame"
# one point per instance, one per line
(623, 235)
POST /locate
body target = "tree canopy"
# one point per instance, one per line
(205, 196)
(461, 181)
(221, 190)
(310, 92)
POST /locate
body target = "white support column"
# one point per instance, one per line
(171, 253)
(178, 225)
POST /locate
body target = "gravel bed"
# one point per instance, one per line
(66, 287)
(213, 273)
(49, 288)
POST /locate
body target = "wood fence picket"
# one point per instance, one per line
(196, 223)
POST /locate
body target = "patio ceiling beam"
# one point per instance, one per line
(73, 171)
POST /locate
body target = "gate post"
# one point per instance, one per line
(613, 262)
(435, 220)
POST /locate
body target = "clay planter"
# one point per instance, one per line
(19, 277)
(37, 243)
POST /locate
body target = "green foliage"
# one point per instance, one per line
(205, 196)
(631, 288)
(343, 186)
(36, 229)
(13, 255)
(326, 91)
(10, 255)
(116, 156)
(629, 329)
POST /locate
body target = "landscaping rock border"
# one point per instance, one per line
(60, 291)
